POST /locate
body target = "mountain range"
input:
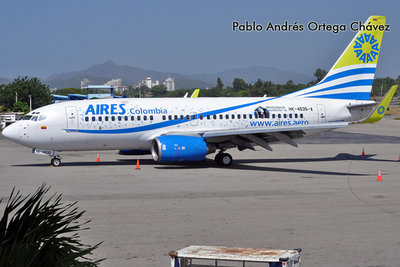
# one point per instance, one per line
(108, 70)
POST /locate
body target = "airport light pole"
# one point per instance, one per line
(30, 103)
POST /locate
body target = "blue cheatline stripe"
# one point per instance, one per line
(347, 73)
(353, 95)
(166, 123)
(336, 76)
(343, 85)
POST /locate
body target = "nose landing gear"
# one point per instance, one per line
(55, 162)
(56, 159)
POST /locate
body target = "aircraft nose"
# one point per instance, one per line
(11, 132)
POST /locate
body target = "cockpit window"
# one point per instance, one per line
(27, 117)
(42, 117)
(34, 118)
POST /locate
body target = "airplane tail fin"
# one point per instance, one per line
(352, 75)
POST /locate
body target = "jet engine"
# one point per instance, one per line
(179, 148)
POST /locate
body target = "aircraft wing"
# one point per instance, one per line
(214, 133)
(245, 138)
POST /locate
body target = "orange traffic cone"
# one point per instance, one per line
(379, 179)
(98, 157)
(399, 156)
(363, 153)
(137, 165)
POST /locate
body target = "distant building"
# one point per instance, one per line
(100, 91)
(117, 84)
(147, 82)
(170, 83)
(85, 83)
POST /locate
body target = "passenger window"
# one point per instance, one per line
(151, 117)
(295, 115)
(175, 117)
(201, 117)
(119, 118)
(273, 116)
(93, 118)
(169, 117)
(112, 118)
(145, 118)
(250, 116)
(227, 116)
(255, 116)
(284, 115)
(126, 118)
(163, 117)
(132, 118)
(238, 116)
(244, 116)
(187, 117)
(86, 118)
(233, 116)
(106, 118)
(100, 118)
(35, 118)
(290, 116)
(138, 118)
(221, 116)
(279, 116)
(301, 115)
(214, 117)
(182, 117)
(193, 117)
(208, 117)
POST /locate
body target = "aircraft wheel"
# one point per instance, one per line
(55, 162)
(226, 160)
(223, 159)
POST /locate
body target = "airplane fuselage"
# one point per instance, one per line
(133, 123)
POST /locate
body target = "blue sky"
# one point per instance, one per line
(44, 37)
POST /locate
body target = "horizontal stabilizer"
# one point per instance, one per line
(379, 111)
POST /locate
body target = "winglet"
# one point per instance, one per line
(379, 111)
(195, 93)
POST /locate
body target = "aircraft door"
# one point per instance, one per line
(321, 113)
(72, 118)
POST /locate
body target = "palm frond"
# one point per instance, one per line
(34, 232)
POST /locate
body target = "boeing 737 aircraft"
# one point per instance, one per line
(187, 129)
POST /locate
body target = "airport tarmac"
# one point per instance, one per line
(322, 197)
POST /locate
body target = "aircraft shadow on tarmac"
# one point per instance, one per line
(239, 164)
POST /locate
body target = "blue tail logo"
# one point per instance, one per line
(366, 47)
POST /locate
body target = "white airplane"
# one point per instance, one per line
(187, 129)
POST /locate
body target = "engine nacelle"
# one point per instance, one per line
(179, 148)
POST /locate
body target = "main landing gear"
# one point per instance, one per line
(223, 159)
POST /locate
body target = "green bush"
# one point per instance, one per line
(35, 232)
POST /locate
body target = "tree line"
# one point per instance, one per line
(15, 96)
